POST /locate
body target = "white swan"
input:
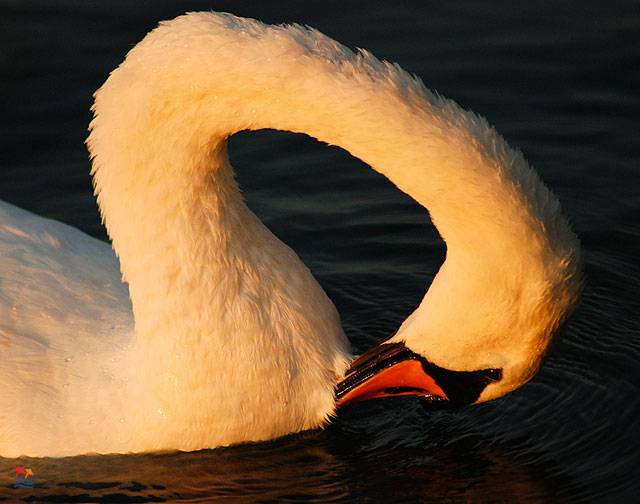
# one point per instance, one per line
(234, 340)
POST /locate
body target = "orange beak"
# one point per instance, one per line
(391, 369)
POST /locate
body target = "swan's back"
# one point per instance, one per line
(65, 326)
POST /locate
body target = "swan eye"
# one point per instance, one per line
(494, 374)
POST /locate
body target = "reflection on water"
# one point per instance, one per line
(339, 464)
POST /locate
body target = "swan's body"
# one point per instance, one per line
(234, 340)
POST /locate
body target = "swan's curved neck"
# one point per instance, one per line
(160, 130)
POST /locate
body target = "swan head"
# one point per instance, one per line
(474, 358)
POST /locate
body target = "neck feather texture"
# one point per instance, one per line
(188, 244)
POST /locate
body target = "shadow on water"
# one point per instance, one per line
(353, 460)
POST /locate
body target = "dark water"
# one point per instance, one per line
(558, 79)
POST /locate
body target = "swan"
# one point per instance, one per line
(206, 330)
